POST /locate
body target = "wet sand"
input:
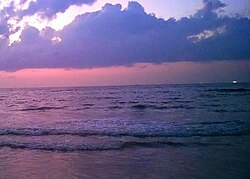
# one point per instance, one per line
(214, 161)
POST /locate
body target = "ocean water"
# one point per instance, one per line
(161, 127)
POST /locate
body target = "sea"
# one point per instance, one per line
(137, 131)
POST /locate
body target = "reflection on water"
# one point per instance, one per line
(129, 131)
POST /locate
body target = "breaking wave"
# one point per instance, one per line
(95, 146)
(146, 129)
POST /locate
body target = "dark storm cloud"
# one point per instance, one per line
(113, 36)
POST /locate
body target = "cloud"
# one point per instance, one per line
(210, 9)
(206, 34)
(48, 8)
(116, 37)
(12, 12)
(5, 15)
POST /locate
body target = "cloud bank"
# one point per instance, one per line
(116, 37)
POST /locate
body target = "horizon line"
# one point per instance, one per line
(124, 85)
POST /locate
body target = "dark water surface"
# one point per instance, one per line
(159, 131)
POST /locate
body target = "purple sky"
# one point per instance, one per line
(89, 34)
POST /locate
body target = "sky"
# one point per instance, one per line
(120, 42)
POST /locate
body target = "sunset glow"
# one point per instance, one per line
(124, 89)
(167, 73)
(121, 42)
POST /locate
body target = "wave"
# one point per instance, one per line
(183, 101)
(148, 106)
(141, 106)
(41, 108)
(146, 129)
(229, 90)
(115, 107)
(58, 147)
(232, 110)
(88, 104)
(115, 145)
(211, 105)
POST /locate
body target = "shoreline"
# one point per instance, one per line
(214, 161)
